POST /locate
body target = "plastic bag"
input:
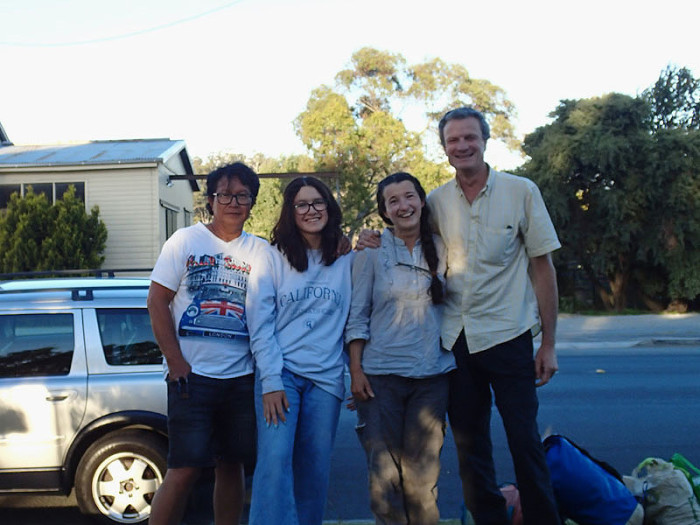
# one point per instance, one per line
(691, 472)
(665, 492)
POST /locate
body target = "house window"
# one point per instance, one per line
(39, 188)
(171, 213)
(6, 190)
(170, 222)
(62, 187)
(52, 190)
(188, 217)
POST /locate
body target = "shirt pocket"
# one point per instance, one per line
(497, 245)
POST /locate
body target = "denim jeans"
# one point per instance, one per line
(292, 472)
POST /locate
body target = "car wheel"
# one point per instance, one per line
(118, 476)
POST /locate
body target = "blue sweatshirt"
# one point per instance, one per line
(298, 322)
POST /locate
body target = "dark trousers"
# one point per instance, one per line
(403, 433)
(509, 370)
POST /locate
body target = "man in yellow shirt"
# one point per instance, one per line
(501, 290)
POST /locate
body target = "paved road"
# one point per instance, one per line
(627, 389)
(623, 405)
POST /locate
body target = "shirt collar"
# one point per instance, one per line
(490, 177)
(389, 237)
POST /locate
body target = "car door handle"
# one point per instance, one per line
(60, 396)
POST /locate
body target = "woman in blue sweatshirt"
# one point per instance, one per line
(297, 342)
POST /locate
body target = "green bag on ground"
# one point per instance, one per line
(691, 472)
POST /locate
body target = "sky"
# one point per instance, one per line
(233, 75)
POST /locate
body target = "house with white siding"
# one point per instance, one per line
(144, 188)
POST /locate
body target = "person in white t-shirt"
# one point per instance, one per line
(202, 290)
(297, 341)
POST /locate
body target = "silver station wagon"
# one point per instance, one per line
(82, 398)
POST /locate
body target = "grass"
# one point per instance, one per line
(361, 522)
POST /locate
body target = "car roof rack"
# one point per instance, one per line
(80, 283)
(99, 273)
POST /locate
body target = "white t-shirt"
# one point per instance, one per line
(214, 282)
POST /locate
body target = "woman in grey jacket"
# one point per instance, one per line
(397, 365)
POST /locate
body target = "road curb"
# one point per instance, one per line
(648, 342)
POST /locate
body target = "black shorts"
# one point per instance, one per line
(211, 420)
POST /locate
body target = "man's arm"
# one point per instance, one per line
(368, 239)
(545, 283)
(159, 299)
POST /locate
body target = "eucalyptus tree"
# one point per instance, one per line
(380, 117)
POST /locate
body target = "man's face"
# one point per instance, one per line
(464, 144)
(231, 216)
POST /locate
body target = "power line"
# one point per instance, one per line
(124, 35)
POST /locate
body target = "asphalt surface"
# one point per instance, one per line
(577, 335)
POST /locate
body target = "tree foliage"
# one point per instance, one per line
(621, 178)
(36, 236)
(589, 167)
(674, 100)
(674, 175)
(358, 128)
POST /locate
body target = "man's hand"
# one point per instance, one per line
(545, 364)
(368, 239)
(359, 386)
(275, 405)
(344, 246)
(178, 368)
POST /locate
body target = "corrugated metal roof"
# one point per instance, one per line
(88, 153)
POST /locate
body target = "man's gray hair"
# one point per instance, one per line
(460, 114)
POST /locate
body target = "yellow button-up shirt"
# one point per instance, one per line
(489, 243)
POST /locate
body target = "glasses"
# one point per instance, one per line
(416, 268)
(242, 199)
(424, 271)
(303, 207)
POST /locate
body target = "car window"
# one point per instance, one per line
(36, 344)
(127, 337)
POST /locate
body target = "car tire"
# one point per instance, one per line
(118, 475)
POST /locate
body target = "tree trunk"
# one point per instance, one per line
(652, 304)
(619, 281)
(603, 294)
(618, 285)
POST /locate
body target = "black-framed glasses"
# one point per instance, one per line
(303, 207)
(413, 267)
(242, 199)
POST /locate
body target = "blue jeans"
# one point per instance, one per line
(291, 477)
